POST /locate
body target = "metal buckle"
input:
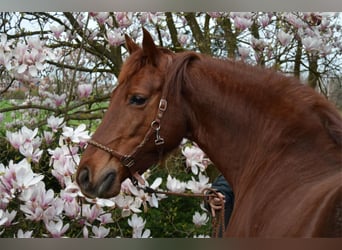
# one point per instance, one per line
(127, 161)
(162, 105)
(159, 141)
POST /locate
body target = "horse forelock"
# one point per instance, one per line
(135, 62)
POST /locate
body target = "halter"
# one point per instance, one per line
(128, 160)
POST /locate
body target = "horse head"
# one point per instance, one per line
(140, 123)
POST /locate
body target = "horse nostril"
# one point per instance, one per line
(106, 184)
(83, 178)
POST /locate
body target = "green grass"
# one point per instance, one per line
(7, 115)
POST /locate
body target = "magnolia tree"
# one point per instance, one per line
(57, 71)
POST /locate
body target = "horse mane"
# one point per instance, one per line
(299, 95)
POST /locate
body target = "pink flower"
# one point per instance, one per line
(115, 37)
(59, 99)
(57, 30)
(284, 38)
(102, 17)
(264, 21)
(124, 19)
(91, 213)
(84, 90)
(312, 43)
(244, 52)
(242, 23)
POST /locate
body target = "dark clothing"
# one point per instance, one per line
(222, 186)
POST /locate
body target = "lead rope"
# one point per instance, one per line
(217, 221)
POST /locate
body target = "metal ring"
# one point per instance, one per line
(155, 125)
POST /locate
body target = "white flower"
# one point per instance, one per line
(100, 232)
(138, 223)
(10, 217)
(24, 175)
(200, 219)
(79, 135)
(15, 139)
(312, 43)
(175, 185)
(22, 234)
(91, 213)
(102, 202)
(128, 204)
(56, 229)
(244, 52)
(198, 186)
(57, 30)
(3, 219)
(194, 158)
(55, 123)
(30, 153)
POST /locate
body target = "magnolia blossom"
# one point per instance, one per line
(115, 37)
(91, 213)
(84, 90)
(3, 218)
(244, 52)
(175, 185)
(22, 234)
(312, 43)
(24, 137)
(54, 123)
(138, 223)
(242, 23)
(57, 30)
(128, 204)
(64, 160)
(22, 176)
(10, 217)
(100, 232)
(200, 219)
(284, 38)
(124, 19)
(79, 135)
(183, 39)
(56, 228)
(102, 17)
(198, 186)
(30, 153)
(194, 158)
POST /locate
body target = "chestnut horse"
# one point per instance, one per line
(277, 141)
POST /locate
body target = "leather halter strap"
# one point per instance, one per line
(128, 160)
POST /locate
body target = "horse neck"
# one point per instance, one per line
(233, 122)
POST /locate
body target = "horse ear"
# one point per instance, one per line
(131, 46)
(149, 48)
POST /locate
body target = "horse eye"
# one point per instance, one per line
(137, 100)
